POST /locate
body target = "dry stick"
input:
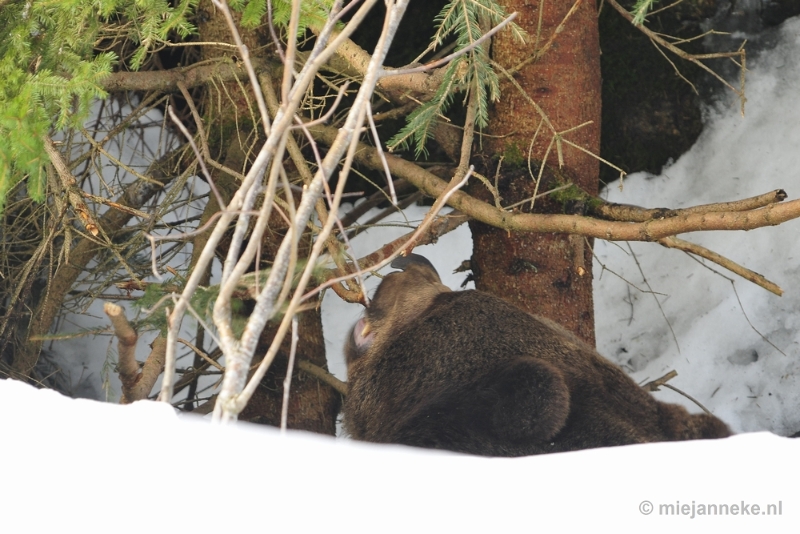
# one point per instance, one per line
(71, 187)
(630, 213)
(283, 120)
(291, 50)
(287, 382)
(747, 274)
(201, 354)
(115, 205)
(305, 173)
(126, 347)
(657, 383)
(697, 402)
(427, 232)
(322, 375)
(379, 148)
(400, 206)
(760, 201)
(222, 70)
(628, 283)
(650, 230)
(236, 263)
(653, 385)
(437, 228)
(152, 369)
(374, 200)
(191, 376)
(232, 398)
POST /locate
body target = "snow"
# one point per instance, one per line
(721, 360)
(101, 467)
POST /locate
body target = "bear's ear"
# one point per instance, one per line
(403, 262)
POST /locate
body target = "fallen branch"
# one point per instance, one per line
(697, 250)
(659, 382)
(653, 385)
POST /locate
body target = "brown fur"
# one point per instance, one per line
(466, 371)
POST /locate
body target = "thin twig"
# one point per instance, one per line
(287, 382)
(694, 58)
(658, 303)
(447, 59)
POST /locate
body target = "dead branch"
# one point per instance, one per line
(658, 40)
(653, 385)
(658, 382)
(630, 213)
(126, 345)
(322, 375)
(71, 187)
(441, 225)
(135, 195)
(649, 230)
(747, 274)
(222, 70)
(420, 236)
(351, 60)
(239, 349)
(136, 384)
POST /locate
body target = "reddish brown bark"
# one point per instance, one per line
(546, 274)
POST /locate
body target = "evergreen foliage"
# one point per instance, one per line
(312, 12)
(50, 73)
(640, 10)
(466, 20)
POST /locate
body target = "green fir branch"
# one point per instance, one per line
(462, 19)
(50, 74)
(313, 13)
(640, 11)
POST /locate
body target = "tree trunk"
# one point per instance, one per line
(545, 274)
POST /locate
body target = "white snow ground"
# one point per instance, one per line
(85, 466)
(97, 466)
(723, 361)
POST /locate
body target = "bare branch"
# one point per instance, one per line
(649, 230)
(694, 58)
(322, 375)
(747, 274)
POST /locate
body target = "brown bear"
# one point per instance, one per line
(465, 371)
